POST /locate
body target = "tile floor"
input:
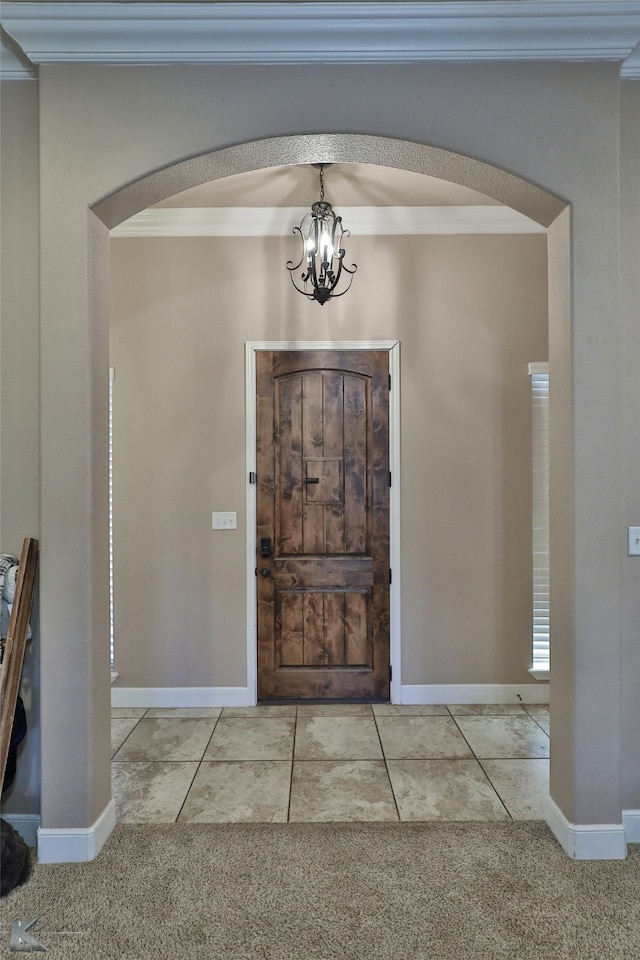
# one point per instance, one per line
(330, 762)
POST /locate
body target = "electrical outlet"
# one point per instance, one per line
(224, 521)
(634, 541)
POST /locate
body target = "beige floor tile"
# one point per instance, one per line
(409, 710)
(150, 792)
(243, 738)
(337, 738)
(191, 713)
(486, 709)
(443, 790)
(262, 710)
(537, 709)
(544, 724)
(163, 739)
(504, 737)
(341, 790)
(522, 785)
(334, 710)
(239, 792)
(421, 738)
(121, 727)
(121, 712)
(540, 713)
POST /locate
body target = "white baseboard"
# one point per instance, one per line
(181, 697)
(475, 693)
(26, 824)
(631, 820)
(76, 844)
(586, 841)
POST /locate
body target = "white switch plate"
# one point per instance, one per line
(224, 521)
(634, 541)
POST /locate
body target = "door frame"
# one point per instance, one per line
(393, 348)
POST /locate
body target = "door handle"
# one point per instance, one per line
(312, 479)
(265, 572)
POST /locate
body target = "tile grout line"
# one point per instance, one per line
(495, 789)
(188, 790)
(121, 745)
(197, 770)
(535, 720)
(386, 767)
(293, 753)
(479, 762)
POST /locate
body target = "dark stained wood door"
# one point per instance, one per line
(323, 518)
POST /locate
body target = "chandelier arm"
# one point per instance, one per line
(290, 263)
(293, 267)
(334, 296)
(301, 290)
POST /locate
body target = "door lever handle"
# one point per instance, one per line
(312, 479)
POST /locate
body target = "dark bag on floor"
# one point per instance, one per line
(14, 859)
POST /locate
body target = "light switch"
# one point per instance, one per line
(224, 521)
(634, 541)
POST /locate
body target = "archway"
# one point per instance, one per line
(532, 201)
(525, 197)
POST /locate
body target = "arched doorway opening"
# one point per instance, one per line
(541, 206)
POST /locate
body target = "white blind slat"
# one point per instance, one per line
(540, 518)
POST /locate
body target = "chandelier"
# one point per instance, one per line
(322, 260)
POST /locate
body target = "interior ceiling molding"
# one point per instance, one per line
(13, 63)
(300, 32)
(361, 221)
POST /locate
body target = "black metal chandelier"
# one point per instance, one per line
(321, 234)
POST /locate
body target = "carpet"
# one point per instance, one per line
(371, 891)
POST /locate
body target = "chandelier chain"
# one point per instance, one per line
(321, 182)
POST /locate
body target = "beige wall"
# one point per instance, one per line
(555, 125)
(470, 313)
(630, 433)
(19, 459)
(20, 386)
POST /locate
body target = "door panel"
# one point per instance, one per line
(323, 500)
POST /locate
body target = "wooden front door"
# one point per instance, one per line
(323, 524)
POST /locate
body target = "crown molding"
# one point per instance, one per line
(361, 221)
(630, 69)
(301, 32)
(13, 63)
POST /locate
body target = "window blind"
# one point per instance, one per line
(539, 373)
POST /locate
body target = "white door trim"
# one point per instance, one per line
(251, 348)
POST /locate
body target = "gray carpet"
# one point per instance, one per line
(323, 891)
